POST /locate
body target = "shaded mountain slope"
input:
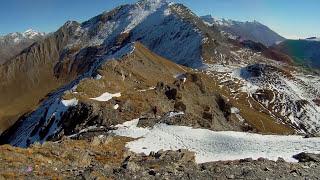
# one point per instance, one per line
(268, 52)
(304, 52)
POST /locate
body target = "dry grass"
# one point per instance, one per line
(55, 160)
(131, 73)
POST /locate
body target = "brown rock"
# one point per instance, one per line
(180, 106)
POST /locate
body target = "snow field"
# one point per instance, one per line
(215, 146)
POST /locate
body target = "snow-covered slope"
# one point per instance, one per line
(214, 146)
(253, 31)
(291, 97)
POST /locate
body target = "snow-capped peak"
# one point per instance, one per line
(17, 37)
(30, 34)
(209, 19)
(152, 2)
(143, 9)
(124, 21)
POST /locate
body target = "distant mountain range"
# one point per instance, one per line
(253, 31)
(313, 38)
(11, 44)
(303, 51)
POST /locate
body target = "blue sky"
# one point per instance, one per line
(290, 18)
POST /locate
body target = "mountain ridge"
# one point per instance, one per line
(247, 30)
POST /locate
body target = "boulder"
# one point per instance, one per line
(307, 157)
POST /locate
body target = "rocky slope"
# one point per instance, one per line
(150, 86)
(13, 43)
(106, 157)
(253, 31)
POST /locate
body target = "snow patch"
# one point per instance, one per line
(313, 39)
(181, 76)
(235, 110)
(221, 68)
(71, 102)
(116, 106)
(142, 10)
(144, 90)
(173, 114)
(30, 34)
(98, 76)
(130, 129)
(215, 146)
(106, 97)
(167, 12)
